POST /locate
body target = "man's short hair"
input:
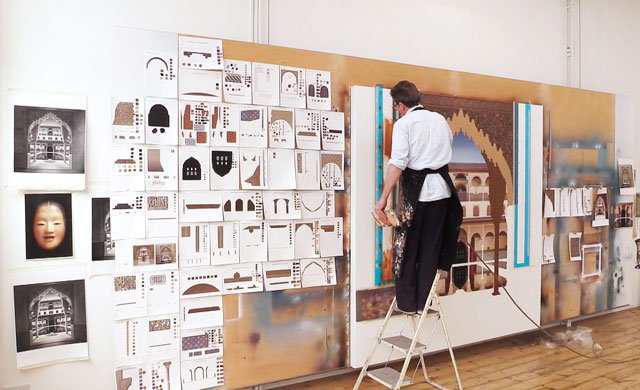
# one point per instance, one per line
(405, 92)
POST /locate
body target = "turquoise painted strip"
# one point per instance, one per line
(515, 186)
(527, 184)
(379, 178)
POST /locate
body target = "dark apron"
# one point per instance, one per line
(409, 185)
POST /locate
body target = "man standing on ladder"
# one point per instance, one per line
(428, 208)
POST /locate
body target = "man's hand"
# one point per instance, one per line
(379, 211)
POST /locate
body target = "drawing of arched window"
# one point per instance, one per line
(600, 207)
(289, 82)
(324, 92)
(239, 205)
(191, 169)
(49, 141)
(158, 117)
(221, 162)
(476, 181)
(51, 315)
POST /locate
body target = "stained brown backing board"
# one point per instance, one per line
(576, 114)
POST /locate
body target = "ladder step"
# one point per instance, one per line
(402, 343)
(387, 376)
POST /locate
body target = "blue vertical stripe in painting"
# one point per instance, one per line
(379, 170)
(515, 183)
(527, 183)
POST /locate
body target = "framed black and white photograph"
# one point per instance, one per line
(48, 226)
(102, 245)
(49, 141)
(50, 320)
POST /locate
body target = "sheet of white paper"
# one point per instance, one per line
(226, 132)
(127, 120)
(281, 128)
(548, 255)
(164, 336)
(253, 126)
(225, 244)
(332, 170)
(587, 200)
(162, 292)
(202, 373)
(161, 121)
(281, 169)
(308, 126)
(127, 213)
(266, 84)
(253, 169)
(195, 123)
(201, 312)
(282, 205)
(194, 244)
(130, 296)
(200, 53)
(161, 210)
(200, 282)
(307, 170)
(164, 374)
(253, 241)
(133, 377)
(237, 81)
(601, 208)
(130, 341)
(307, 238)
(317, 204)
(318, 89)
(333, 130)
(550, 205)
(242, 205)
(626, 176)
(225, 170)
(280, 242)
(575, 246)
(242, 278)
(292, 87)
(200, 85)
(200, 206)
(162, 168)
(127, 168)
(577, 208)
(161, 73)
(281, 275)
(318, 272)
(194, 168)
(565, 202)
(331, 237)
(202, 342)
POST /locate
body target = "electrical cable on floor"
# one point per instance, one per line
(597, 353)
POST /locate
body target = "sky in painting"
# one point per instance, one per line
(464, 150)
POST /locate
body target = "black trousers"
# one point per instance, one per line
(422, 250)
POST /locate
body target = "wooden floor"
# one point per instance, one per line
(525, 362)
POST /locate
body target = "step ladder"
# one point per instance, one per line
(411, 347)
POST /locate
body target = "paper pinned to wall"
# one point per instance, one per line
(200, 53)
(253, 241)
(162, 292)
(587, 200)
(162, 168)
(164, 336)
(577, 208)
(331, 237)
(281, 275)
(253, 169)
(200, 282)
(253, 126)
(332, 170)
(226, 133)
(237, 81)
(200, 85)
(127, 213)
(591, 260)
(194, 245)
(130, 296)
(132, 378)
(281, 169)
(318, 272)
(194, 168)
(200, 206)
(242, 278)
(318, 89)
(195, 123)
(548, 255)
(308, 127)
(151, 254)
(317, 204)
(225, 244)
(266, 84)
(575, 246)
(292, 87)
(161, 214)
(225, 169)
(242, 205)
(202, 342)
(281, 240)
(161, 73)
(307, 238)
(332, 130)
(127, 168)
(626, 176)
(307, 169)
(601, 208)
(164, 374)
(551, 202)
(201, 312)
(130, 341)
(202, 373)
(127, 120)
(282, 205)
(281, 128)
(161, 121)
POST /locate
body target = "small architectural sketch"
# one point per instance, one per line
(308, 126)
(307, 170)
(601, 208)
(623, 214)
(127, 216)
(225, 133)
(202, 373)
(332, 130)
(162, 292)
(281, 275)
(200, 53)
(253, 241)
(626, 176)
(102, 245)
(548, 255)
(132, 378)
(591, 260)
(587, 200)
(130, 341)
(162, 168)
(161, 213)
(242, 278)
(575, 246)
(253, 169)
(164, 374)
(242, 205)
(332, 170)
(253, 126)
(200, 282)
(195, 123)
(318, 89)
(317, 204)
(565, 202)
(161, 121)
(292, 87)
(200, 206)
(306, 238)
(281, 128)
(48, 226)
(161, 74)
(201, 312)
(127, 168)
(577, 200)
(225, 243)
(194, 168)
(281, 240)
(127, 120)
(318, 272)
(551, 202)
(225, 169)
(237, 81)
(194, 245)
(200, 85)
(280, 205)
(201, 342)
(331, 237)
(266, 84)
(130, 295)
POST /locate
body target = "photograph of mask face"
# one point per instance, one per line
(48, 227)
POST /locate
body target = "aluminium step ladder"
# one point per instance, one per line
(393, 379)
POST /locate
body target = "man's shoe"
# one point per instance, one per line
(396, 308)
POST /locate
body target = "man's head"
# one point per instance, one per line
(405, 95)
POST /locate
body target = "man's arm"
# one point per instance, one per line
(393, 174)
